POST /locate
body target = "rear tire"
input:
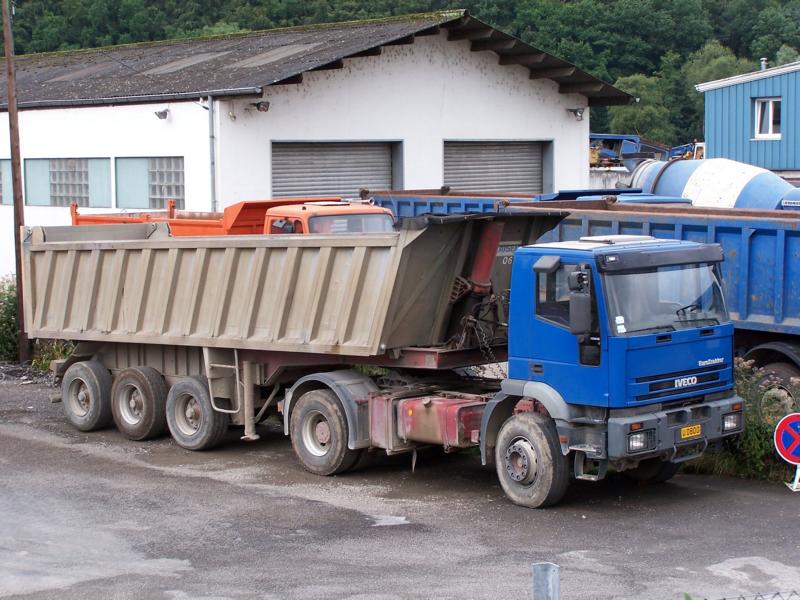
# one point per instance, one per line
(532, 470)
(652, 471)
(86, 395)
(192, 420)
(139, 403)
(319, 434)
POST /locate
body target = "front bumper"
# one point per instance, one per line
(663, 430)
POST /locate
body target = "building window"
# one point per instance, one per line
(150, 182)
(6, 187)
(768, 118)
(62, 181)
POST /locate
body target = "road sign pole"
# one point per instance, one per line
(795, 486)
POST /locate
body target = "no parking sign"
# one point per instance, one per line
(787, 443)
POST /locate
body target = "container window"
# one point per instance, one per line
(768, 118)
(149, 182)
(62, 181)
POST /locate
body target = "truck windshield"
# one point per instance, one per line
(363, 223)
(664, 299)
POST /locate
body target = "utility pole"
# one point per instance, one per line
(16, 173)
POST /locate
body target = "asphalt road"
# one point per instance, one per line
(96, 516)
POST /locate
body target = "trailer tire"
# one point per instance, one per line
(779, 395)
(532, 470)
(86, 395)
(652, 471)
(319, 434)
(191, 418)
(139, 403)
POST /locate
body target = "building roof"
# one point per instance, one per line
(244, 64)
(747, 77)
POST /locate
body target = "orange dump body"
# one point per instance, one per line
(243, 218)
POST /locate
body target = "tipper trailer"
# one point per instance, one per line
(619, 349)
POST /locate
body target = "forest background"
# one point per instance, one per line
(654, 49)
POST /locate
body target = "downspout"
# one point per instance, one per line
(212, 153)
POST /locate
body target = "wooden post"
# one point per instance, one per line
(16, 174)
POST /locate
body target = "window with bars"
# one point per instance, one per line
(150, 182)
(61, 181)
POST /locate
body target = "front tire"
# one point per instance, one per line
(86, 395)
(191, 418)
(138, 402)
(532, 470)
(319, 434)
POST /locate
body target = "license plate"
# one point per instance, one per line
(691, 431)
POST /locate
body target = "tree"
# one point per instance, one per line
(649, 117)
(785, 55)
(713, 61)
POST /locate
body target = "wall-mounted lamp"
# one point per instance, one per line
(260, 106)
(577, 113)
(162, 114)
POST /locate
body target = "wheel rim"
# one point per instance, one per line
(131, 404)
(79, 398)
(316, 433)
(521, 462)
(188, 414)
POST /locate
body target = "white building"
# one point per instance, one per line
(412, 102)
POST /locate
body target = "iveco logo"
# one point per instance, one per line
(685, 382)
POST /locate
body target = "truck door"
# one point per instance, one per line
(571, 363)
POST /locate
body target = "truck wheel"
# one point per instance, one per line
(138, 402)
(86, 395)
(192, 420)
(319, 434)
(652, 470)
(779, 395)
(531, 468)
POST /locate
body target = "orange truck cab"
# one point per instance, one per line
(276, 216)
(328, 217)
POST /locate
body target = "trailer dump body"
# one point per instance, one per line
(354, 295)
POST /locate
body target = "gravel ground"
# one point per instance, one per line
(92, 515)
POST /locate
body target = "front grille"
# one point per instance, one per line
(670, 384)
(677, 374)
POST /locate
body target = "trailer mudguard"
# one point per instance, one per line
(770, 352)
(351, 388)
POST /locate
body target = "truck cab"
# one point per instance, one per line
(625, 343)
(328, 217)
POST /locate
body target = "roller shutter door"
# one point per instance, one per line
(330, 168)
(493, 166)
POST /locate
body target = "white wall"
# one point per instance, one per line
(420, 94)
(107, 132)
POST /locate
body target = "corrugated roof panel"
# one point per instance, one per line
(182, 63)
(273, 55)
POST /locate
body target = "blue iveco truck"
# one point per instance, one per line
(622, 348)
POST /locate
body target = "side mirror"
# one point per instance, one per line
(580, 313)
(577, 280)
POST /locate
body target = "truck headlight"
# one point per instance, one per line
(732, 421)
(642, 440)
